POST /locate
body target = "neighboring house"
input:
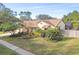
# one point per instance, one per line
(53, 23)
(30, 24)
(44, 24)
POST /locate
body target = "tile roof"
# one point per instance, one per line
(33, 23)
(30, 23)
(53, 22)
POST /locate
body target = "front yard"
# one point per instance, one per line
(6, 51)
(46, 47)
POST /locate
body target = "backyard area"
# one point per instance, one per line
(68, 46)
(6, 51)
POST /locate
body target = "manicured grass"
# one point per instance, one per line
(39, 45)
(6, 51)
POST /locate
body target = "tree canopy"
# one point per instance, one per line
(7, 18)
(74, 16)
(43, 16)
(8, 26)
(6, 14)
(25, 15)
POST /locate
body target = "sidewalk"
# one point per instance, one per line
(20, 51)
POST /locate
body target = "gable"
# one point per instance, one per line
(53, 22)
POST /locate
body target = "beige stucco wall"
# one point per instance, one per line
(42, 24)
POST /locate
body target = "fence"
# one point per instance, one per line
(71, 33)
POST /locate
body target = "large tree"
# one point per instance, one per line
(74, 16)
(6, 14)
(43, 17)
(8, 21)
(25, 15)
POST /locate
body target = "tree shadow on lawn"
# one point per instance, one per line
(22, 36)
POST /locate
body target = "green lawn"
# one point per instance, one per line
(6, 51)
(2, 32)
(44, 46)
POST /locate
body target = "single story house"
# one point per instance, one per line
(53, 23)
(29, 24)
(44, 24)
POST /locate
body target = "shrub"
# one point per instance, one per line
(37, 32)
(54, 34)
(75, 25)
(7, 26)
